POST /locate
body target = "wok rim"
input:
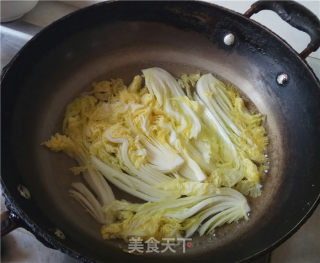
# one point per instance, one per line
(50, 240)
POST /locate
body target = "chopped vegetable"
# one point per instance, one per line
(176, 218)
(188, 147)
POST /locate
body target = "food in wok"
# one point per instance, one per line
(188, 147)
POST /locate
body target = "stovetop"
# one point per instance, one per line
(21, 245)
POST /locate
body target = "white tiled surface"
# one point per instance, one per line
(303, 247)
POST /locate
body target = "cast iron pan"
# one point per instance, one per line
(118, 39)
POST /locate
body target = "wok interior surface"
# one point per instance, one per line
(120, 49)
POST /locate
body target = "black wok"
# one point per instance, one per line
(117, 39)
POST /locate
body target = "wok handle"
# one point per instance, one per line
(9, 222)
(296, 15)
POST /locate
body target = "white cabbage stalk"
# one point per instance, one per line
(219, 104)
(147, 173)
(132, 185)
(162, 157)
(231, 206)
(164, 86)
(191, 170)
(99, 186)
(213, 114)
(84, 196)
